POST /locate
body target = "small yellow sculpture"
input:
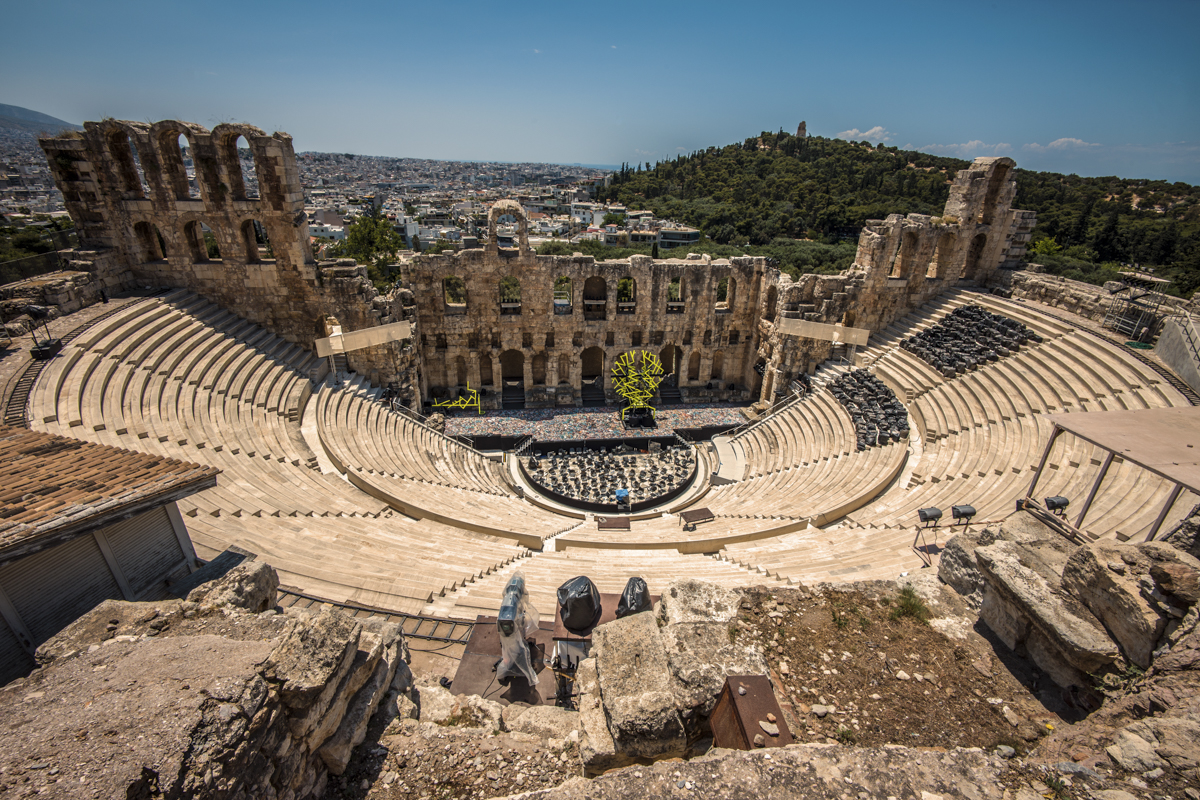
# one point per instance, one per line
(469, 400)
(636, 376)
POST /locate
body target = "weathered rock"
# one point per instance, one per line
(309, 666)
(1133, 752)
(821, 772)
(250, 586)
(1186, 535)
(336, 751)
(439, 706)
(700, 657)
(691, 601)
(635, 683)
(546, 722)
(597, 749)
(1114, 597)
(1023, 608)
(1178, 580)
(957, 566)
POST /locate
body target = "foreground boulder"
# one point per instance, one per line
(653, 678)
(169, 699)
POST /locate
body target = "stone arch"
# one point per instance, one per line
(125, 157)
(939, 264)
(772, 302)
(508, 293)
(996, 181)
(255, 240)
(225, 137)
(196, 242)
(539, 369)
(717, 372)
(627, 289)
(693, 373)
(460, 370)
(563, 294)
(726, 294)
(671, 357)
(595, 298)
(592, 363)
(512, 366)
(170, 137)
(905, 255)
(500, 208)
(149, 242)
(974, 253)
(454, 292)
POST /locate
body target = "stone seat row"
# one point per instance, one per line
(365, 432)
(392, 562)
(828, 556)
(608, 569)
(179, 377)
(816, 428)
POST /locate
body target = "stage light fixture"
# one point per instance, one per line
(963, 512)
(929, 515)
(1057, 504)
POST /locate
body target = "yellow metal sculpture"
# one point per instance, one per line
(469, 400)
(636, 377)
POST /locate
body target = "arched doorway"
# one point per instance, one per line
(512, 379)
(539, 369)
(671, 357)
(694, 366)
(973, 255)
(595, 298)
(592, 376)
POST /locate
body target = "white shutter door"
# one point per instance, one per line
(146, 550)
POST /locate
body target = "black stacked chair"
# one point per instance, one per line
(879, 418)
(968, 337)
(595, 476)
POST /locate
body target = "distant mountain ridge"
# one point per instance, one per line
(24, 120)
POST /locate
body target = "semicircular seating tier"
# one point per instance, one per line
(366, 505)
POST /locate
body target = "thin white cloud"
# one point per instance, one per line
(537, 51)
(1066, 143)
(876, 134)
(971, 149)
(613, 46)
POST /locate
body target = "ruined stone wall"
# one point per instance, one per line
(548, 346)
(901, 263)
(126, 186)
(220, 696)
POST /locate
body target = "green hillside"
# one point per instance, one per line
(776, 187)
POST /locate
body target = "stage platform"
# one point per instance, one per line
(558, 424)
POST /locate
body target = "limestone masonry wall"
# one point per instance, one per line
(491, 317)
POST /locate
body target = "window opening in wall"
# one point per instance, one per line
(902, 263)
(526, 339)
(687, 337)
(608, 339)
(592, 363)
(675, 303)
(454, 292)
(626, 295)
(707, 338)
(510, 295)
(724, 295)
(995, 184)
(595, 298)
(734, 337)
(550, 340)
(194, 237)
(636, 338)
(129, 165)
(717, 373)
(212, 248)
(772, 302)
(562, 295)
(939, 265)
(577, 339)
(973, 255)
(245, 158)
(656, 337)
(473, 340)
(258, 245)
(496, 340)
(187, 161)
(148, 242)
(694, 366)
(441, 341)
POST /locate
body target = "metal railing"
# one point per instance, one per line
(777, 407)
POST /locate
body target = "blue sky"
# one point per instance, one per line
(1096, 88)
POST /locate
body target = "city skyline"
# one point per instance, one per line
(1106, 88)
